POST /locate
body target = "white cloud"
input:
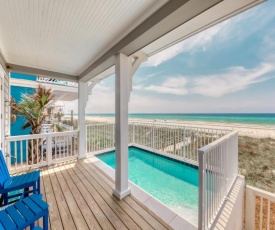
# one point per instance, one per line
(146, 104)
(236, 79)
(173, 85)
(232, 80)
(138, 87)
(197, 42)
(102, 100)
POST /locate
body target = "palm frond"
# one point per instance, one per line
(32, 107)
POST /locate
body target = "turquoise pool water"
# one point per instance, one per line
(171, 182)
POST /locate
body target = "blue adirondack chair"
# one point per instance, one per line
(14, 183)
(24, 213)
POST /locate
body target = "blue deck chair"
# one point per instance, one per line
(24, 213)
(14, 183)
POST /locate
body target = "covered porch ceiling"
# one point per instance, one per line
(78, 40)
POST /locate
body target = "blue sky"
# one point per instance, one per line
(227, 68)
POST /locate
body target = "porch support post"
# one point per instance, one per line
(122, 72)
(82, 102)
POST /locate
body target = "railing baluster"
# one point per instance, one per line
(261, 213)
(15, 151)
(37, 148)
(32, 149)
(268, 215)
(27, 152)
(49, 149)
(21, 153)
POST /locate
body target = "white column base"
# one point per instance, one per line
(82, 157)
(121, 195)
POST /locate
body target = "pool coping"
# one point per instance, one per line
(177, 159)
(158, 208)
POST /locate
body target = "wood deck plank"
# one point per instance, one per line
(54, 217)
(64, 211)
(143, 211)
(99, 215)
(83, 207)
(108, 211)
(71, 202)
(124, 205)
(80, 197)
(127, 220)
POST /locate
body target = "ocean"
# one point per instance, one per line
(266, 119)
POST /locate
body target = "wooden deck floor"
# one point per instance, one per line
(80, 197)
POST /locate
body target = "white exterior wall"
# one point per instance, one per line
(5, 108)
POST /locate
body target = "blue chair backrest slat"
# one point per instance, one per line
(4, 172)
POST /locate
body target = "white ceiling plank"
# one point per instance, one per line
(65, 36)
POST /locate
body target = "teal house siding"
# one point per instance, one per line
(16, 127)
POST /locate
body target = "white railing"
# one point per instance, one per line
(100, 137)
(218, 169)
(56, 81)
(178, 141)
(38, 150)
(260, 209)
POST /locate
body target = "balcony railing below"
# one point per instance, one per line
(56, 81)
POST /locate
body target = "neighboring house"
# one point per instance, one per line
(22, 83)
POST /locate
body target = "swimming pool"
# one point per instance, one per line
(172, 182)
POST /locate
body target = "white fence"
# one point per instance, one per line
(179, 141)
(218, 169)
(38, 150)
(260, 209)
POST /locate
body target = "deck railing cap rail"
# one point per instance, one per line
(262, 193)
(164, 125)
(212, 145)
(42, 135)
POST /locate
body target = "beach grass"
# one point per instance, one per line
(257, 162)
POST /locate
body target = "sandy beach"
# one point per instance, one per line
(250, 130)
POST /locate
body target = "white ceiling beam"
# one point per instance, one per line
(41, 72)
(168, 17)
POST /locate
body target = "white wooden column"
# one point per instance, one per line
(122, 72)
(82, 102)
